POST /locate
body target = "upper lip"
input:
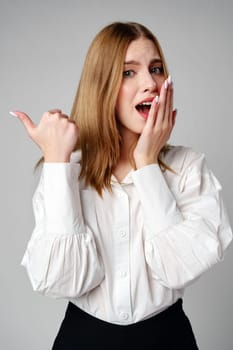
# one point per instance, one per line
(148, 99)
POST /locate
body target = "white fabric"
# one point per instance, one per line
(130, 254)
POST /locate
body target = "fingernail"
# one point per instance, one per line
(156, 99)
(165, 84)
(13, 113)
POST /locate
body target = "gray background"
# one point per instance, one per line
(42, 48)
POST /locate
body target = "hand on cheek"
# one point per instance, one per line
(158, 127)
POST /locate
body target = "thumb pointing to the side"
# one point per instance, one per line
(25, 119)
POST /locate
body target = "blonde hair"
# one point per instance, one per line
(94, 105)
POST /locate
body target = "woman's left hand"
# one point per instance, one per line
(158, 127)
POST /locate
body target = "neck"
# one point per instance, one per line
(128, 142)
(124, 165)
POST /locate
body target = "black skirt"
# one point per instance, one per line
(169, 330)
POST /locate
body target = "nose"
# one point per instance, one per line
(148, 82)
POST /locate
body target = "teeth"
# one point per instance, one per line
(145, 104)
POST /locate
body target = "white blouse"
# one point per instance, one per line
(128, 255)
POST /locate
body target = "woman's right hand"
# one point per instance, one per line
(55, 134)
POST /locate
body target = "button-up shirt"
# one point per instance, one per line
(129, 254)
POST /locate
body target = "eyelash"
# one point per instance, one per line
(159, 68)
(129, 72)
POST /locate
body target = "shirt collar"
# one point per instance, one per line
(76, 157)
(127, 179)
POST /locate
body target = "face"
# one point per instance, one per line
(143, 77)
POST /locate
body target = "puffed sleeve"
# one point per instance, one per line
(186, 226)
(61, 257)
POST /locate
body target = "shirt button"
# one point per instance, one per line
(122, 234)
(120, 194)
(124, 316)
(123, 274)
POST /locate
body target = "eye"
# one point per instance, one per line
(128, 73)
(156, 70)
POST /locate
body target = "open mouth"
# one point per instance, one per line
(143, 109)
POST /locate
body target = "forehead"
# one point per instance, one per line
(140, 48)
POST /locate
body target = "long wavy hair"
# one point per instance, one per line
(94, 105)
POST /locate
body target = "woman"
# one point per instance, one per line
(126, 222)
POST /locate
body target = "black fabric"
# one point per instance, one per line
(169, 330)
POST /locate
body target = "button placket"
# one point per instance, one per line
(122, 234)
(124, 316)
(123, 274)
(121, 265)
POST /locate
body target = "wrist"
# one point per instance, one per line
(144, 162)
(56, 159)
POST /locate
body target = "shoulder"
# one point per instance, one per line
(186, 164)
(180, 158)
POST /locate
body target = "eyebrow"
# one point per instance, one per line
(135, 63)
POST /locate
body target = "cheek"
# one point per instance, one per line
(122, 98)
(159, 80)
(160, 85)
(119, 102)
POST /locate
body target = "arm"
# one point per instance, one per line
(186, 232)
(61, 258)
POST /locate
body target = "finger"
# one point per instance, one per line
(174, 114)
(52, 111)
(25, 119)
(59, 116)
(153, 113)
(162, 104)
(168, 104)
(64, 116)
(73, 122)
(55, 113)
(171, 104)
